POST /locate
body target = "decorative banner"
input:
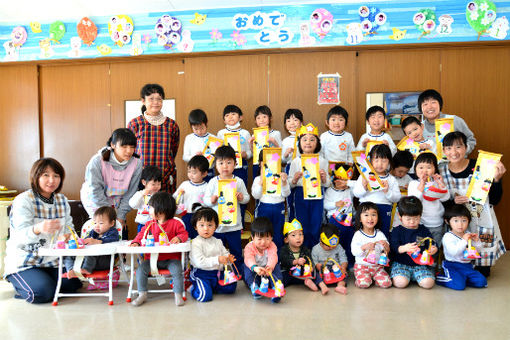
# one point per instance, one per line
(480, 14)
(234, 140)
(168, 31)
(210, 148)
(371, 144)
(483, 176)
(120, 28)
(443, 127)
(366, 170)
(328, 89)
(340, 170)
(227, 201)
(311, 177)
(260, 141)
(410, 145)
(270, 175)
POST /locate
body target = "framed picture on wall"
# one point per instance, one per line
(133, 108)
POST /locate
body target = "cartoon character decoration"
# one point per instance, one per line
(11, 51)
(425, 21)
(371, 19)
(199, 19)
(480, 15)
(499, 28)
(354, 33)
(305, 39)
(87, 30)
(35, 27)
(19, 36)
(104, 49)
(321, 22)
(136, 45)
(169, 31)
(120, 28)
(470, 252)
(445, 25)
(398, 34)
(186, 44)
(46, 50)
(75, 51)
(57, 31)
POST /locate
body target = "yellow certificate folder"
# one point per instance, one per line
(210, 148)
(483, 175)
(260, 141)
(271, 169)
(443, 127)
(227, 201)
(234, 140)
(366, 170)
(311, 176)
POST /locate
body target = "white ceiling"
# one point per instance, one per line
(45, 11)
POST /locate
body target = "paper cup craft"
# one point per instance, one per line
(260, 141)
(230, 275)
(331, 272)
(210, 148)
(271, 169)
(422, 256)
(433, 192)
(234, 140)
(169, 31)
(303, 272)
(148, 239)
(366, 170)
(120, 28)
(343, 215)
(263, 289)
(482, 178)
(471, 252)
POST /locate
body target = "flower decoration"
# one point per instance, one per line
(238, 38)
(147, 39)
(215, 34)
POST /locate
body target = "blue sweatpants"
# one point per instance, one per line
(205, 284)
(242, 173)
(385, 217)
(276, 213)
(459, 275)
(250, 277)
(232, 241)
(346, 234)
(37, 285)
(309, 213)
(192, 233)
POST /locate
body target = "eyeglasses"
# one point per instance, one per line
(155, 100)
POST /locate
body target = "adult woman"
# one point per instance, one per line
(157, 135)
(36, 216)
(457, 173)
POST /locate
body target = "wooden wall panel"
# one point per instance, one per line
(76, 117)
(293, 84)
(475, 86)
(19, 124)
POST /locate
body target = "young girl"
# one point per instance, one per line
(263, 117)
(380, 157)
(310, 211)
(112, 176)
(368, 238)
(431, 190)
(162, 209)
(157, 135)
(457, 173)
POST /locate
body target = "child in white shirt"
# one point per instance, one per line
(151, 180)
(337, 144)
(376, 116)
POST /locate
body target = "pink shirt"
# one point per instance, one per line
(268, 257)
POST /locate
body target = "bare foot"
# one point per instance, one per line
(324, 288)
(310, 284)
(71, 274)
(85, 272)
(340, 288)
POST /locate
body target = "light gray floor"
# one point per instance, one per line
(411, 313)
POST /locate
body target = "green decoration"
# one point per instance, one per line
(57, 31)
(425, 21)
(480, 15)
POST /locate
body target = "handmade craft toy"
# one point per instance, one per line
(377, 256)
(482, 178)
(227, 201)
(263, 289)
(432, 191)
(331, 272)
(443, 127)
(471, 252)
(230, 275)
(366, 170)
(233, 139)
(422, 255)
(303, 272)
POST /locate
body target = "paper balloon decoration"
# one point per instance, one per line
(18, 36)
(480, 15)
(120, 28)
(168, 30)
(425, 21)
(371, 19)
(87, 31)
(57, 31)
(321, 22)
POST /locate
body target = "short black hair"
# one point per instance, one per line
(427, 157)
(199, 162)
(197, 117)
(403, 158)
(106, 211)
(410, 206)
(293, 112)
(124, 136)
(152, 173)
(365, 206)
(163, 203)
(149, 89)
(261, 226)
(205, 213)
(263, 110)
(340, 111)
(232, 108)
(381, 151)
(373, 110)
(224, 152)
(408, 121)
(329, 230)
(456, 210)
(430, 94)
(455, 136)
(317, 147)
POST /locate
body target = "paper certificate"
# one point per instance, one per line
(366, 170)
(270, 172)
(234, 140)
(227, 201)
(260, 141)
(483, 175)
(311, 176)
(210, 148)
(443, 127)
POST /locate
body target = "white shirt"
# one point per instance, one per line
(137, 202)
(205, 251)
(194, 143)
(337, 147)
(244, 136)
(382, 137)
(288, 143)
(256, 192)
(193, 193)
(454, 246)
(433, 211)
(378, 197)
(360, 239)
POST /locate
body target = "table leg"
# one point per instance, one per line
(131, 279)
(59, 280)
(183, 265)
(110, 281)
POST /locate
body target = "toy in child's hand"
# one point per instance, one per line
(230, 275)
(377, 256)
(303, 272)
(432, 191)
(331, 272)
(163, 239)
(69, 241)
(422, 255)
(470, 252)
(263, 289)
(148, 239)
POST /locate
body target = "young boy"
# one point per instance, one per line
(413, 129)
(151, 180)
(376, 117)
(294, 253)
(402, 162)
(271, 206)
(458, 270)
(329, 247)
(104, 231)
(260, 256)
(337, 144)
(195, 142)
(404, 239)
(229, 234)
(208, 256)
(193, 190)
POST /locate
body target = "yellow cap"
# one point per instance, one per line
(308, 129)
(342, 173)
(331, 242)
(289, 227)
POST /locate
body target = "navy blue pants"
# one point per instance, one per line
(290, 199)
(250, 277)
(37, 285)
(205, 284)
(309, 213)
(459, 275)
(242, 173)
(276, 213)
(192, 233)
(232, 241)
(346, 234)
(385, 218)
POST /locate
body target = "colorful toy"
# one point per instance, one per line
(303, 272)
(148, 239)
(230, 275)
(377, 256)
(432, 191)
(471, 252)
(263, 289)
(331, 272)
(422, 255)
(69, 241)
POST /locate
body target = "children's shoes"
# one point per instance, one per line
(179, 301)
(142, 297)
